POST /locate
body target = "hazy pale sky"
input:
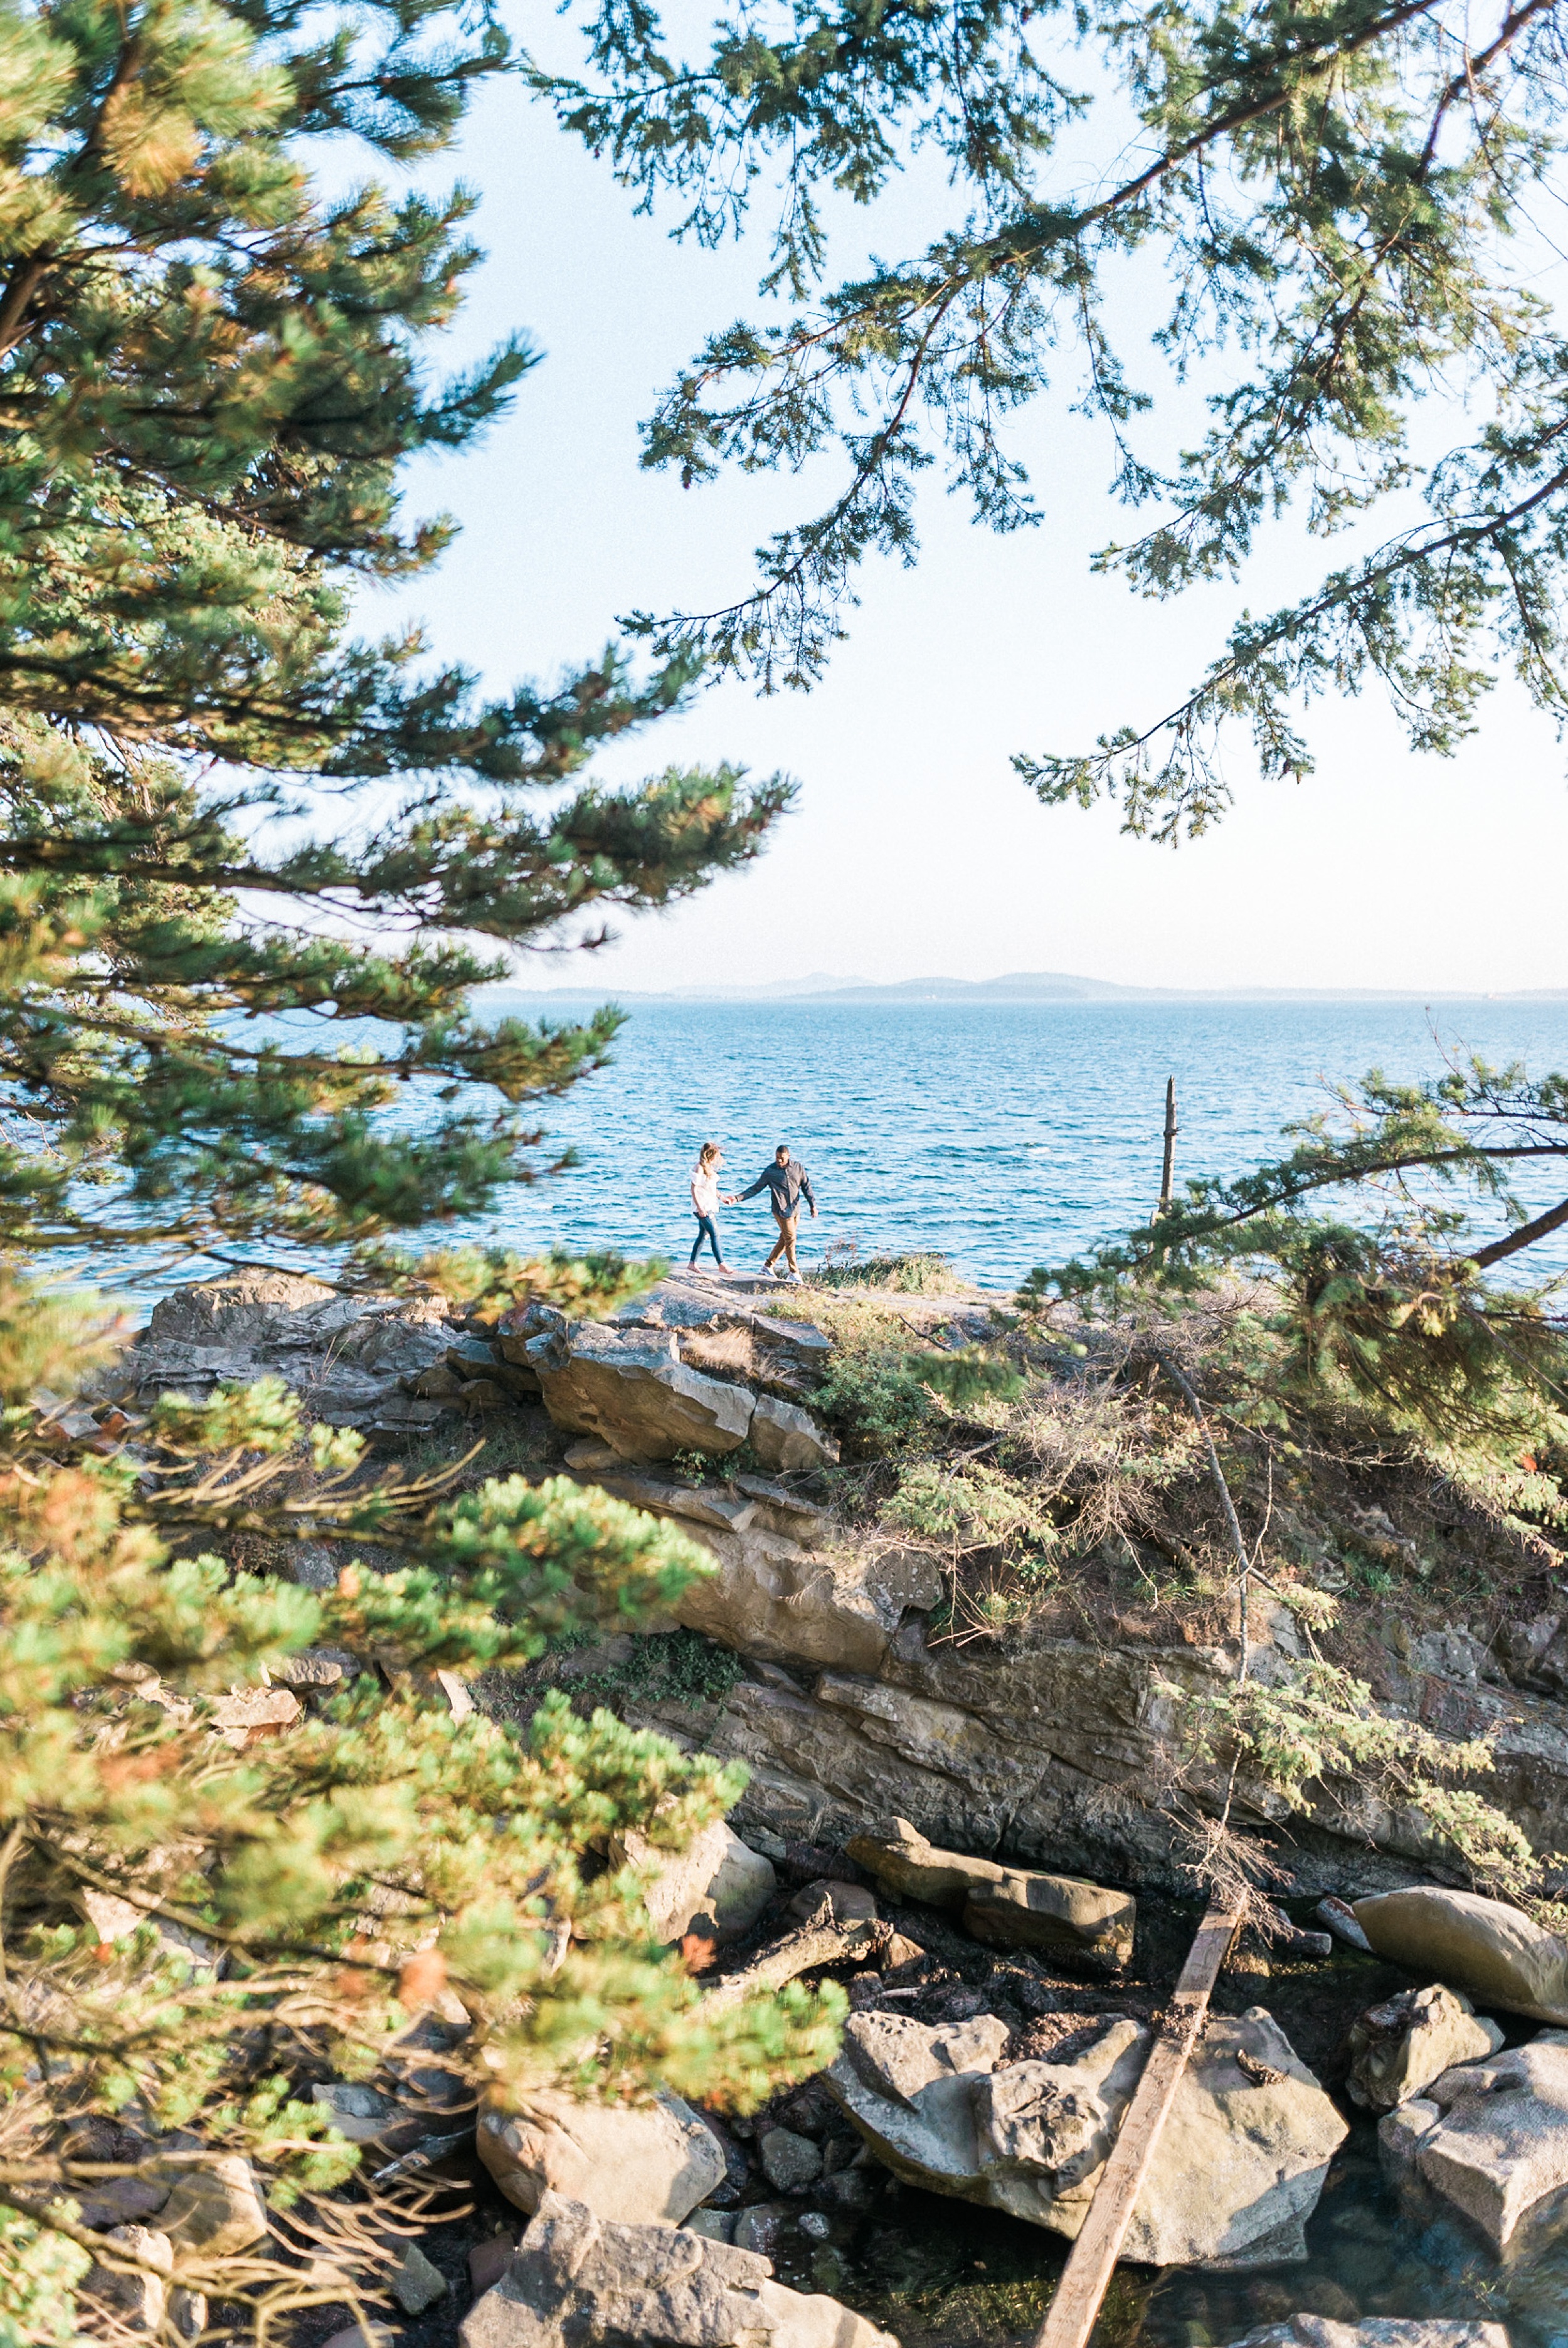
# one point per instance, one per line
(915, 850)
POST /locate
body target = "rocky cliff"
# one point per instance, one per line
(858, 1692)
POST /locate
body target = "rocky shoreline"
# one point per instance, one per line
(987, 1806)
(845, 1711)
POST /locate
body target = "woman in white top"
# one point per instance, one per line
(705, 1202)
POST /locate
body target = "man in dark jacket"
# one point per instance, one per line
(787, 1182)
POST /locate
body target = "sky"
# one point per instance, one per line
(914, 848)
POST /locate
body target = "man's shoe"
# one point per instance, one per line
(796, 1281)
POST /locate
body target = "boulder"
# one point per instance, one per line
(849, 1903)
(578, 2278)
(418, 2283)
(784, 1436)
(244, 1311)
(1494, 1951)
(771, 1597)
(1070, 1919)
(713, 2225)
(717, 1876)
(630, 1388)
(631, 2162)
(1239, 2168)
(1007, 1907)
(1376, 2332)
(348, 1358)
(909, 1868)
(216, 2208)
(362, 2114)
(1399, 2048)
(790, 2162)
(133, 2299)
(1488, 2143)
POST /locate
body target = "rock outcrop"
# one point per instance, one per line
(635, 2163)
(578, 2279)
(1499, 1956)
(391, 1367)
(1487, 2144)
(1008, 1906)
(1034, 1760)
(1239, 2168)
(1399, 2048)
(627, 1383)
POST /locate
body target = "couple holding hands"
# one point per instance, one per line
(785, 1181)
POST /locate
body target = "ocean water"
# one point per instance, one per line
(1003, 1135)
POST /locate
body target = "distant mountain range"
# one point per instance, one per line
(1016, 986)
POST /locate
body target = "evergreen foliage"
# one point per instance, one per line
(250, 866)
(251, 869)
(352, 1867)
(1376, 1282)
(1340, 193)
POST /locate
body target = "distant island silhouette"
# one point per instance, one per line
(1019, 987)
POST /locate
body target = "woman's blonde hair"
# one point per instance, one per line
(708, 1152)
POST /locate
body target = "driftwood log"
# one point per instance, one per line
(822, 1940)
(1092, 2262)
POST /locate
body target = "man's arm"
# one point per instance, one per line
(760, 1184)
(806, 1190)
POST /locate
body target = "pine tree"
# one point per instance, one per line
(236, 843)
(199, 1916)
(210, 373)
(1340, 194)
(1378, 1290)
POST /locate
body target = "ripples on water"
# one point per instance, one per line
(940, 2274)
(1004, 1134)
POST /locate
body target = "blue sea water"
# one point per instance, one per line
(1003, 1134)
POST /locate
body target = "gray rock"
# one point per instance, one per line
(895, 2056)
(717, 1877)
(851, 1903)
(317, 1667)
(242, 1312)
(1499, 1956)
(188, 2311)
(1399, 2048)
(810, 1347)
(1488, 2143)
(579, 2278)
(315, 1564)
(790, 2162)
(633, 2163)
(630, 1388)
(1238, 2170)
(418, 2284)
(121, 2201)
(785, 1436)
(1068, 1918)
(1376, 2332)
(906, 1865)
(697, 1506)
(1008, 1906)
(775, 1598)
(758, 2228)
(713, 2225)
(360, 2114)
(136, 2296)
(1338, 1919)
(217, 2207)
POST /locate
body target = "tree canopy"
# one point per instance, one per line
(236, 840)
(1343, 196)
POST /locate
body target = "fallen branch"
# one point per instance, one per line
(820, 1940)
